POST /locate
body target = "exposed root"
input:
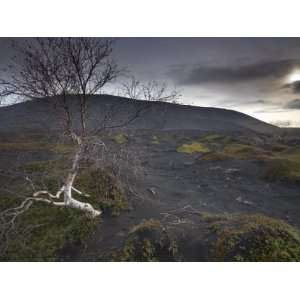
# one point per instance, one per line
(69, 201)
(8, 216)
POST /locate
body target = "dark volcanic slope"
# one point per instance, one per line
(39, 115)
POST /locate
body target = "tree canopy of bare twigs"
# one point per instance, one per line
(149, 91)
(51, 67)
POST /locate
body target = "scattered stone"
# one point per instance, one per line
(121, 234)
(232, 171)
(240, 200)
(145, 163)
(215, 168)
(152, 190)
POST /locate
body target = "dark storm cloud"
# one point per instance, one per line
(293, 104)
(294, 87)
(231, 74)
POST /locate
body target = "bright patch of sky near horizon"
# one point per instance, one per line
(256, 76)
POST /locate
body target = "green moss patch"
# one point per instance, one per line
(155, 140)
(147, 241)
(254, 238)
(120, 138)
(194, 147)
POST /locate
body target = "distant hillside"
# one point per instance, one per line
(40, 115)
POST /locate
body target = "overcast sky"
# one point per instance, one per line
(257, 76)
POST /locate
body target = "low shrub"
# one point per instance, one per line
(105, 190)
(147, 241)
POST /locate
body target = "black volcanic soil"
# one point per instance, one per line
(168, 181)
(171, 181)
(174, 181)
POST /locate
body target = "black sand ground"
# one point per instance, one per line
(174, 181)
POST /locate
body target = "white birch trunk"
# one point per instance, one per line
(66, 190)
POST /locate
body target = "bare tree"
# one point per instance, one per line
(56, 68)
(59, 67)
(149, 91)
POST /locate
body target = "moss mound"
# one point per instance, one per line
(285, 166)
(254, 238)
(147, 241)
(242, 151)
(283, 170)
(105, 190)
(194, 147)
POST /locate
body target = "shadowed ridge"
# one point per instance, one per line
(38, 114)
